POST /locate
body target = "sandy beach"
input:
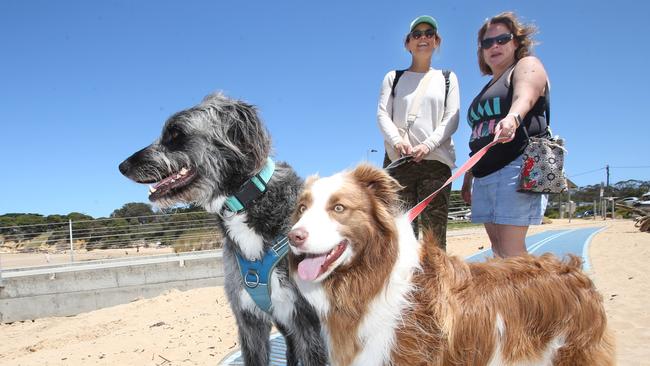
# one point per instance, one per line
(196, 327)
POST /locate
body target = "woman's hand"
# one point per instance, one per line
(419, 152)
(506, 128)
(466, 190)
(404, 148)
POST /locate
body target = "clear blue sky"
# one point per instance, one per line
(83, 84)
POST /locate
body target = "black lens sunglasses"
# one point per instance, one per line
(417, 34)
(501, 39)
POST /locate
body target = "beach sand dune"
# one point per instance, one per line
(196, 327)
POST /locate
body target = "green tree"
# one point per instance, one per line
(134, 209)
(183, 209)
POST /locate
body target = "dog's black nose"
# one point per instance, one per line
(124, 167)
(298, 236)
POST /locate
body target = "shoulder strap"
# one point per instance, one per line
(446, 74)
(398, 74)
(548, 105)
(414, 110)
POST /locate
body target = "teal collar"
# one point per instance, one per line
(252, 189)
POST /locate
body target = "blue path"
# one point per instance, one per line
(558, 242)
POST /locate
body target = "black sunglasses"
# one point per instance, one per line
(501, 39)
(417, 34)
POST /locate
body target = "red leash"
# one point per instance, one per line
(415, 211)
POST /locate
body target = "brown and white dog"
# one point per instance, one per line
(386, 299)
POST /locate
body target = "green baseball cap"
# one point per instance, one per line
(424, 19)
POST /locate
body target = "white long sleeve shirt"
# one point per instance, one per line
(434, 125)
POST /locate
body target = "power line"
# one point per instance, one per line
(587, 172)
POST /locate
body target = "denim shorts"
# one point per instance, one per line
(495, 199)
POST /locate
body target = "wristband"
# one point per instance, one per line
(517, 118)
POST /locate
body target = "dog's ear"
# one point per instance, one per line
(379, 183)
(247, 128)
(238, 130)
(311, 179)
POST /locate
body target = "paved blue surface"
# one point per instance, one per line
(558, 242)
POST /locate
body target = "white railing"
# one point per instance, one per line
(84, 240)
(46, 243)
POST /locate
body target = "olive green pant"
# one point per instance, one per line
(419, 181)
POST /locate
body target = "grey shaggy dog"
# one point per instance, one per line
(205, 154)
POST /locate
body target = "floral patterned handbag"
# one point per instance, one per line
(542, 166)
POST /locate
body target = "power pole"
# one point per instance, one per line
(607, 169)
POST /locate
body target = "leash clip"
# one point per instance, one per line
(226, 213)
(254, 283)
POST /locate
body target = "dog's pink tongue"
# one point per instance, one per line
(309, 268)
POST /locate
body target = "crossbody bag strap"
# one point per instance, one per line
(417, 100)
(548, 105)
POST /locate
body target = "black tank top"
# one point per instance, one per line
(489, 107)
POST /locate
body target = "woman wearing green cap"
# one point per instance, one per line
(417, 114)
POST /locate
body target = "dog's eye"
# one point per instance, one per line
(173, 136)
(339, 208)
(302, 208)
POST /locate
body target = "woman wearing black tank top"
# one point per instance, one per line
(512, 100)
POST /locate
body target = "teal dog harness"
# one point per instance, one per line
(256, 274)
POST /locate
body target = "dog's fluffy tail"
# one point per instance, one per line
(435, 260)
(430, 248)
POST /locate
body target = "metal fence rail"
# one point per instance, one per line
(46, 242)
(178, 232)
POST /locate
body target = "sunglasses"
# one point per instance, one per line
(417, 34)
(501, 39)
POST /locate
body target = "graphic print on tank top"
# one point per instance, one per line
(483, 120)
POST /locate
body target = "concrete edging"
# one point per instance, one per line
(65, 290)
